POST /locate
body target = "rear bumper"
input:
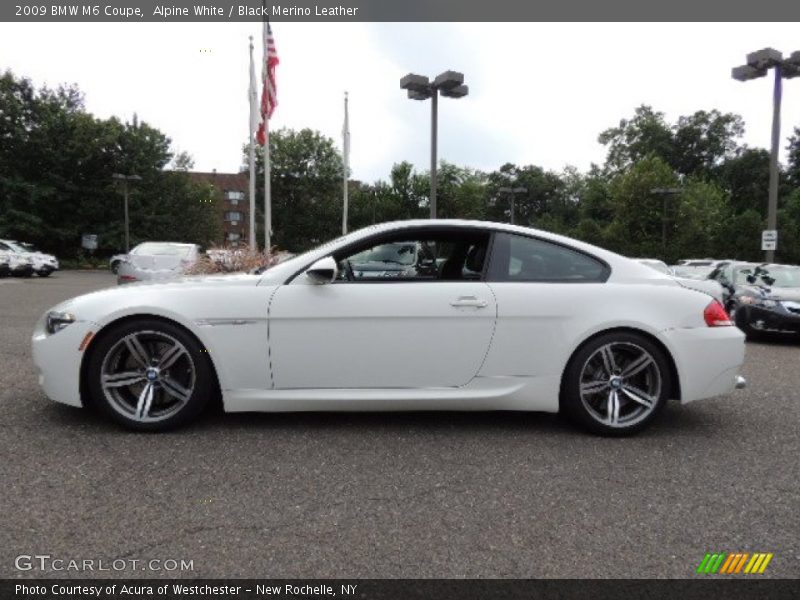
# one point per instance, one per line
(707, 360)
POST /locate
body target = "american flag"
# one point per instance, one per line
(269, 94)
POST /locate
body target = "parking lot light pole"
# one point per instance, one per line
(449, 84)
(665, 193)
(758, 63)
(125, 179)
(512, 193)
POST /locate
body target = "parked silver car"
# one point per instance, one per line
(707, 286)
(20, 264)
(156, 261)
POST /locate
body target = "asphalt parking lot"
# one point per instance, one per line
(395, 495)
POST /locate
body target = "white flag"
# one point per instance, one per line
(252, 93)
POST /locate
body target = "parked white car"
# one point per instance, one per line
(158, 261)
(512, 319)
(42, 264)
(708, 286)
(20, 264)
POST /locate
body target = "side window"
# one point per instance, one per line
(429, 256)
(520, 258)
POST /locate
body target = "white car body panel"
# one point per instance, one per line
(380, 336)
(279, 343)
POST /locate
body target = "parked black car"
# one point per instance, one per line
(761, 298)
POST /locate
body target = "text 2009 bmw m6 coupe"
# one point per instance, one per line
(466, 316)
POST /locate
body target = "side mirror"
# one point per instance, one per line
(323, 271)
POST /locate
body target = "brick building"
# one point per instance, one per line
(234, 205)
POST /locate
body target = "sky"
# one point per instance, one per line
(540, 93)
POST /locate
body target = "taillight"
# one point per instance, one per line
(127, 278)
(715, 315)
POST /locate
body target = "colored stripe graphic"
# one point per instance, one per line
(711, 563)
(723, 563)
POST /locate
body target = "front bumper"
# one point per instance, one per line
(777, 320)
(58, 360)
(707, 360)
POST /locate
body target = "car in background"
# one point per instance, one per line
(157, 261)
(42, 264)
(20, 264)
(698, 272)
(761, 297)
(114, 261)
(400, 259)
(707, 286)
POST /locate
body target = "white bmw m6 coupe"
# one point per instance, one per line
(466, 315)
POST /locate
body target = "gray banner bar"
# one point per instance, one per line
(399, 10)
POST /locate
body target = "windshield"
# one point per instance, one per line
(403, 253)
(778, 276)
(17, 247)
(159, 249)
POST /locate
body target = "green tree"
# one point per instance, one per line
(306, 186)
(56, 163)
(646, 134)
(638, 225)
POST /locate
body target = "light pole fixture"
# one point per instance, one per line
(449, 84)
(665, 193)
(125, 179)
(512, 193)
(758, 63)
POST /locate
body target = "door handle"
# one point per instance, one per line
(469, 301)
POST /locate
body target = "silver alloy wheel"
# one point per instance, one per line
(148, 376)
(620, 384)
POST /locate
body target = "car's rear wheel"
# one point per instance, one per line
(44, 273)
(115, 267)
(150, 375)
(616, 384)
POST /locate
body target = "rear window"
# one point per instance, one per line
(156, 249)
(519, 258)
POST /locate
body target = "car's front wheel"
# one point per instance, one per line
(616, 384)
(150, 375)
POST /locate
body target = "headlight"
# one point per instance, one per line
(764, 302)
(56, 321)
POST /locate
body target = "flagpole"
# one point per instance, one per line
(267, 166)
(346, 161)
(253, 103)
(267, 192)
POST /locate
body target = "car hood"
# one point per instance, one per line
(204, 282)
(775, 293)
(785, 294)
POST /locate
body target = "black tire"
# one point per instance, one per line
(153, 336)
(115, 267)
(44, 273)
(631, 416)
(742, 319)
